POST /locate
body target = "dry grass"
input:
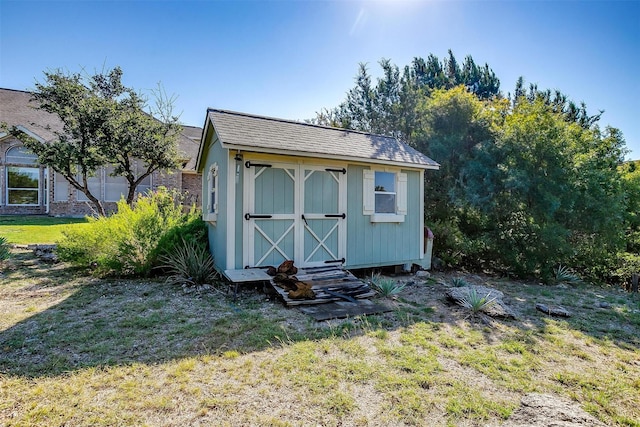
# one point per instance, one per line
(79, 351)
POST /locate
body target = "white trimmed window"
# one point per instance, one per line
(211, 213)
(384, 195)
(23, 186)
(23, 183)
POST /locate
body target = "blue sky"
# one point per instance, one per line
(289, 59)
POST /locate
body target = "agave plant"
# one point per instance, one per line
(459, 282)
(386, 287)
(190, 263)
(475, 302)
(565, 276)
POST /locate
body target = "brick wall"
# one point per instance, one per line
(192, 187)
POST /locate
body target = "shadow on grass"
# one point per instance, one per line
(120, 322)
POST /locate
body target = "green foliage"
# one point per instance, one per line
(459, 282)
(131, 241)
(628, 264)
(563, 275)
(475, 302)
(385, 286)
(525, 183)
(190, 262)
(5, 249)
(105, 123)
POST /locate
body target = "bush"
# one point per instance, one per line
(628, 265)
(131, 241)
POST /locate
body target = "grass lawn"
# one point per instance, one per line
(36, 228)
(76, 350)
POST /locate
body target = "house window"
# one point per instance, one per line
(384, 195)
(23, 185)
(385, 192)
(95, 186)
(145, 185)
(21, 155)
(60, 188)
(212, 192)
(115, 187)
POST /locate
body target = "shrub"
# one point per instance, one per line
(190, 262)
(130, 241)
(628, 265)
(5, 249)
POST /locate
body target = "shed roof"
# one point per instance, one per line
(271, 135)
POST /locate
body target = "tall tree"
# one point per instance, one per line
(104, 123)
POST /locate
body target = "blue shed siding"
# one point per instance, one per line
(218, 230)
(378, 244)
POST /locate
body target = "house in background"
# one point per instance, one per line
(27, 187)
(276, 189)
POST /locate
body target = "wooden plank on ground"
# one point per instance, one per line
(342, 309)
(332, 278)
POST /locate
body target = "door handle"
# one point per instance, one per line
(249, 216)
(305, 220)
(342, 215)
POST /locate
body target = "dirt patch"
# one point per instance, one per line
(543, 410)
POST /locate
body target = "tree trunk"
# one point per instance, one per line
(97, 204)
(634, 283)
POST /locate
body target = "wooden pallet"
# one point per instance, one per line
(330, 284)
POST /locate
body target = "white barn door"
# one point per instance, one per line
(294, 211)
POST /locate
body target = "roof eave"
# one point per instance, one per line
(328, 156)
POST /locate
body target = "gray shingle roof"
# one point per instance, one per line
(17, 109)
(266, 134)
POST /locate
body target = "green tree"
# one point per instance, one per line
(551, 191)
(104, 123)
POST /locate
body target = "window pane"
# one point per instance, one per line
(213, 201)
(60, 189)
(23, 197)
(21, 155)
(385, 181)
(385, 203)
(145, 184)
(22, 177)
(95, 185)
(115, 187)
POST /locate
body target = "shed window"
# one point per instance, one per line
(385, 192)
(384, 195)
(212, 192)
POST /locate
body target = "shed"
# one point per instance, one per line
(277, 189)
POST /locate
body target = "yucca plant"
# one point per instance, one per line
(475, 302)
(459, 282)
(386, 287)
(565, 276)
(190, 263)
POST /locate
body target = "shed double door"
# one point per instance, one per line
(294, 211)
